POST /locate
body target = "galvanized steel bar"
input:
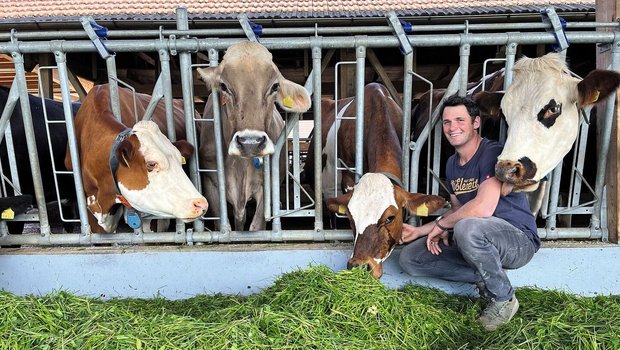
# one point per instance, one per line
(187, 86)
(595, 223)
(318, 135)
(360, 59)
(33, 155)
(219, 153)
(406, 132)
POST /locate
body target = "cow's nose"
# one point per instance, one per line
(251, 141)
(351, 265)
(200, 205)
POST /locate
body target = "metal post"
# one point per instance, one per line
(185, 62)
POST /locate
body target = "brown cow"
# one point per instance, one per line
(249, 84)
(149, 175)
(375, 204)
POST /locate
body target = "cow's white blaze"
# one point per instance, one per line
(331, 177)
(536, 82)
(373, 194)
(169, 192)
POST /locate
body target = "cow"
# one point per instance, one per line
(541, 108)
(374, 206)
(137, 167)
(58, 143)
(249, 85)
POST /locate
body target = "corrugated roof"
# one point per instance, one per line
(61, 10)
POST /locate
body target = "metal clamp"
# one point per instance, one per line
(252, 30)
(558, 26)
(398, 29)
(95, 32)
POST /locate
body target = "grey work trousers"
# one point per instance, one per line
(480, 249)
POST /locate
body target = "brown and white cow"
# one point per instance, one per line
(249, 84)
(541, 108)
(375, 204)
(149, 174)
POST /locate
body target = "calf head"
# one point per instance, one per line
(150, 175)
(375, 212)
(249, 84)
(541, 107)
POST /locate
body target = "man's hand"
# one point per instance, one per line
(432, 241)
(409, 234)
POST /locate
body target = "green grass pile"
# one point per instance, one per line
(313, 308)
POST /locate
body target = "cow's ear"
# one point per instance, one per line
(419, 204)
(293, 97)
(597, 85)
(489, 104)
(339, 204)
(126, 151)
(209, 76)
(186, 148)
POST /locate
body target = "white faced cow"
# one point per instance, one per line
(541, 107)
(148, 174)
(376, 203)
(249, 84)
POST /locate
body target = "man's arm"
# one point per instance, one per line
(482, 206)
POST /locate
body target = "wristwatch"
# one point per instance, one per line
(439, 225)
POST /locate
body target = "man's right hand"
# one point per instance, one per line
(410, 233)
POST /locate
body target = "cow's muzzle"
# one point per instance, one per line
(250, 143)
(375, 268)
(520, 174)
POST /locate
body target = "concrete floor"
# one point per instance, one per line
(181, 272)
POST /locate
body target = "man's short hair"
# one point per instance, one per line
(456, 100)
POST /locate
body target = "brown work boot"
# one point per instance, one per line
(498, 313)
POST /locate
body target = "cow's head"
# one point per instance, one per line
(249, 84)
(375, 212)
(541, 107)
(150, 175)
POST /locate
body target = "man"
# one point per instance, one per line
(490, 232)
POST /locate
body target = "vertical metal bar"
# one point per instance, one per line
(595, 223)
(464, 52)
(511, 52)
(554, 195)
(164, 58)
(360, 58)
(316, 101)
(61, 62)
(185, 62)
(406, 134)
(219, 154)
(113, 83)
(33, 156)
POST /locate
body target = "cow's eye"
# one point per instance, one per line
(150, 166)
(224, 87)
(549, 113)
(274, 88)
(390, 219)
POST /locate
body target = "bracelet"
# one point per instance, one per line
(439, 225)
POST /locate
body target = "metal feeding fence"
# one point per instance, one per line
(294, 201)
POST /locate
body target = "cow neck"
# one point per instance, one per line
(114, 163)
(395, 180)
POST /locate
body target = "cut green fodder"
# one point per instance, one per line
(314, 308)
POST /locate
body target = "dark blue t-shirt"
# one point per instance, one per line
(464, 181)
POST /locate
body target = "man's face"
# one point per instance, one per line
(458, 126)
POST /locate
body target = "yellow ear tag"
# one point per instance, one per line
(8, 214)
(596, 95)
(288, 102)
(342, 209)
(183, 161)
(422, 210)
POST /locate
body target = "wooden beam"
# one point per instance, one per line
(374, 61)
